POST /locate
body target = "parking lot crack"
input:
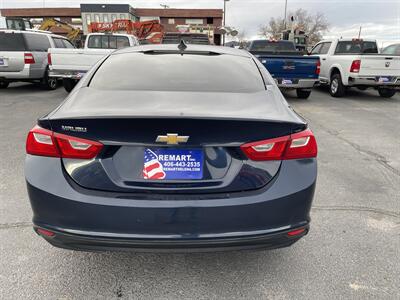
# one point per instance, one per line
(15, 225)
(377, 157)
(358, 208)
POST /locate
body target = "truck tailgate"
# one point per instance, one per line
(376, 65)
(76, 59)
(291, 66)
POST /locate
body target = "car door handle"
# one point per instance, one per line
(324, 59)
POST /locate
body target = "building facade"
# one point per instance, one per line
(207, 21)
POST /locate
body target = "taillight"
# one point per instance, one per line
(73, 147)
(302, 145)
(29, 59)
(41, 142)
(295, 146)
(355, 66)
(318, 69)
(271, 149)
(49, 58)
(44, 142)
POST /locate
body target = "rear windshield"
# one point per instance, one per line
(174, 72)
(108, 42)
(356, 47)
(269, 46)
(11, 41)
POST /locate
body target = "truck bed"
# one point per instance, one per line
(75, 61)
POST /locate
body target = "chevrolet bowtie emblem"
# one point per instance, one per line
(172, 139)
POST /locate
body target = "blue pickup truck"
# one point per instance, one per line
(289, 67)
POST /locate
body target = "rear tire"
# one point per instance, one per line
(49, 83)
(303, 94)
(386, 93)
(336, 87)
(69, 84)
(4, 84)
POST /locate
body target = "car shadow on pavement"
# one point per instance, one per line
(140, 273)
(369, 95)
(25, 88)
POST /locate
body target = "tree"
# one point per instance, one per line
(313, 25)
(242, 36)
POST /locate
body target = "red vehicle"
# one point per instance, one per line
(149, 31)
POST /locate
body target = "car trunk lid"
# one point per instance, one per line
(130, 126)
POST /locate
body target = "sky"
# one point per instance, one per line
(380, 19)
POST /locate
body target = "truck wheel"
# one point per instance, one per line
(386, 93)
(4, 84)
(49, 83)
(303, 94)
(69, 84)
(336, 87)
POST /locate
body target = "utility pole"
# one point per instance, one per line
(224, 23)
(284, 19)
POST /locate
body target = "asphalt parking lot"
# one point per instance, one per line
(352, 251)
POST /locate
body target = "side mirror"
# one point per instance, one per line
(308, 52)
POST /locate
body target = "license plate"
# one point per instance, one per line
(287, 81)
(2, 63)
(80, 75)
(384, 79)
(173, 164)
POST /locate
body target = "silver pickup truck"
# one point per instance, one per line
(72, 64)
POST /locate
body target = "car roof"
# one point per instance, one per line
(265, 40)
(345, 40)
(33, 32)
(190, 48)
(111, 33)
(394, 44)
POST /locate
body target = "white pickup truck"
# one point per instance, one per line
(72, 64)
(357, 63)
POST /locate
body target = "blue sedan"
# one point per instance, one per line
(167, 148)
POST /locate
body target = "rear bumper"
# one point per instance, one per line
(93, 220)
(86, 241)
(298, 84)
(69, 74)
(23, 74)
(372, 81)
(26, 74)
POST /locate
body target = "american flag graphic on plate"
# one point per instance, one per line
(173, 164)
(152, 168)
